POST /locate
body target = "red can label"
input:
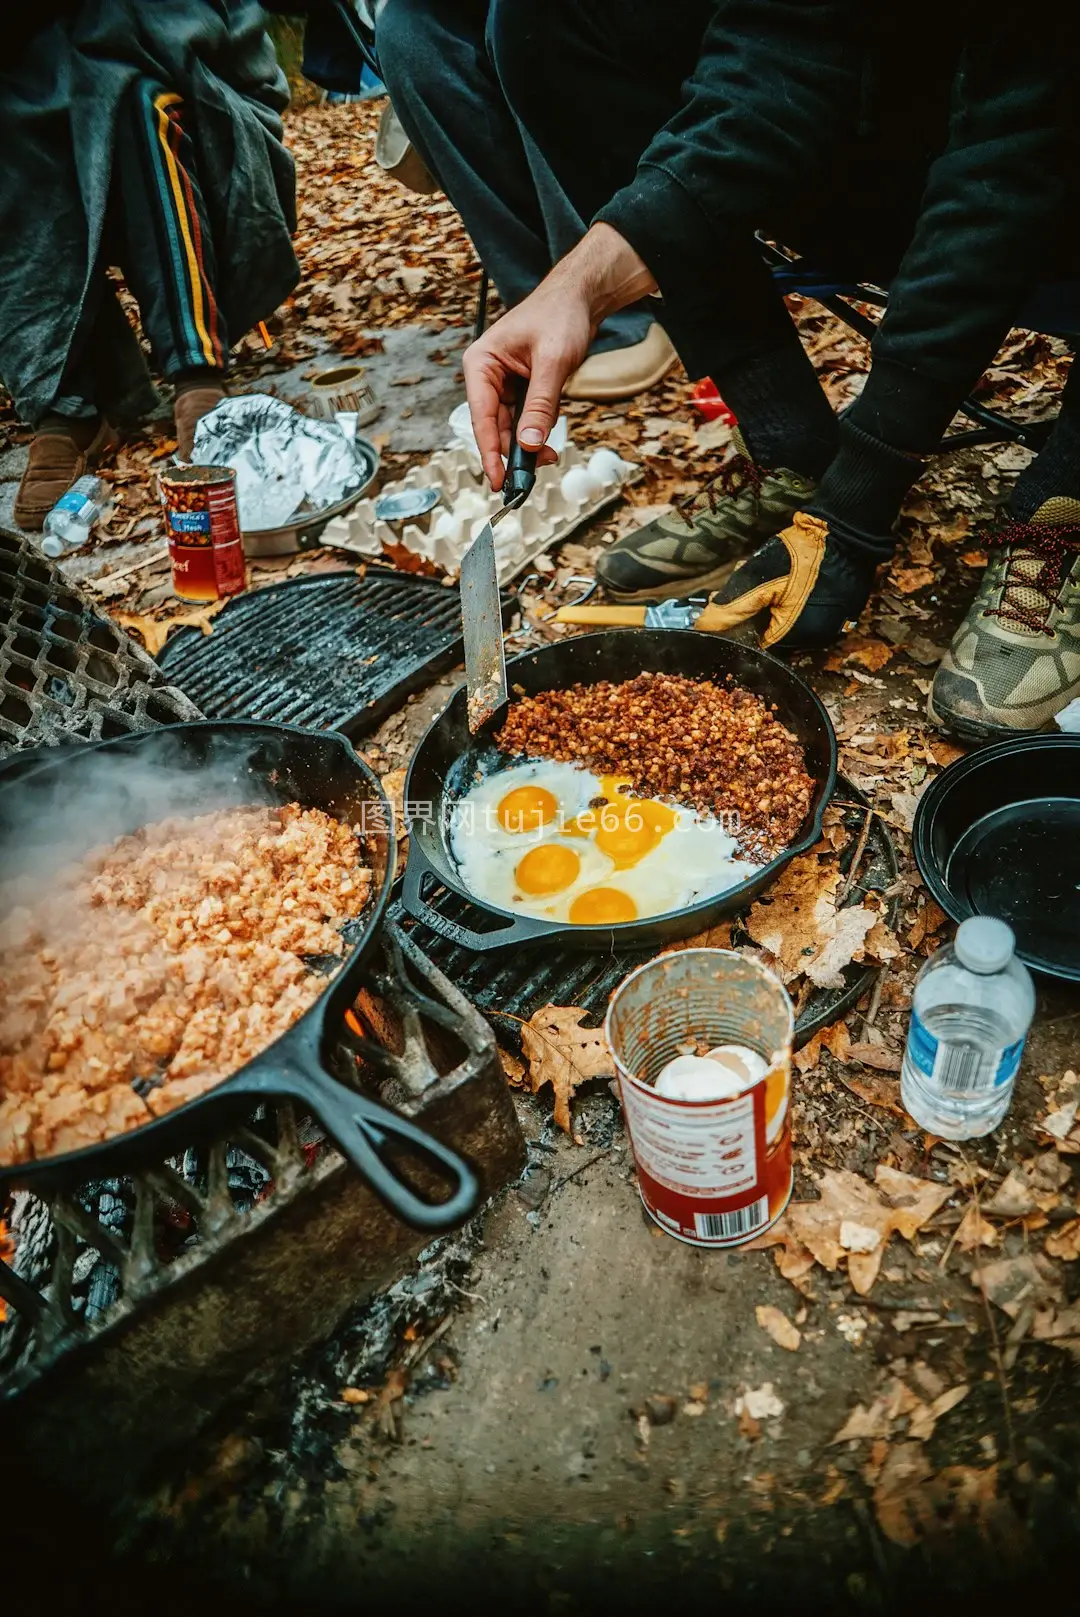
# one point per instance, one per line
(714, 1173)
(203, 528)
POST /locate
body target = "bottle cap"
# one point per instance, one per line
(984, 944)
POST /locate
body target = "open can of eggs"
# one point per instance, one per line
(702, 1046)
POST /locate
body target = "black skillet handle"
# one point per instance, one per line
(521, 463)
(361, 1127)
(520, 929)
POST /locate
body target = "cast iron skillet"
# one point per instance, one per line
(445, 764)
(85, 795)
(998, 833)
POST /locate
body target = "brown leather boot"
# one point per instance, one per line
(56, 462)
(191, 404)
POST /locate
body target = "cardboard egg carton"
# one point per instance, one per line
(547, 517)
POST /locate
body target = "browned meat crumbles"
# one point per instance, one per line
(157, 966)
(714, 747)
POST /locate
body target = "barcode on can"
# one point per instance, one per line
(729, 1226)
(963, 1067)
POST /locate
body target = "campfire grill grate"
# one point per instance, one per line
(67, 674)
(87, 1262)
(338, 651)
(509, 985)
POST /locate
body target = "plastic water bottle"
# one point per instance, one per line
(68, 524)
(971, 1011)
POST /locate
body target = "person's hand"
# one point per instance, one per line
(545, 339)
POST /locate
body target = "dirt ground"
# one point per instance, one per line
(564, 1407)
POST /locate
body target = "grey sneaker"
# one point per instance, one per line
(1015, 660)
(696, 546)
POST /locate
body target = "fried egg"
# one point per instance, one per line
(556, 841)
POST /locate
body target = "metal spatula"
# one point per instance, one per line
(481, 611)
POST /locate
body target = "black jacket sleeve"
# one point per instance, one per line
(993, 208)
(778, 85)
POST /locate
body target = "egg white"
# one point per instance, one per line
(474, 820)
(696, 859)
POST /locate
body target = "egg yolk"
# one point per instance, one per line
(550, 868)
(632, 829)
(602, 906)
(527, 808)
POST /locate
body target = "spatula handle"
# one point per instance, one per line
(521, 463)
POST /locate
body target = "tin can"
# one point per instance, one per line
(202, 525)
(716, 1172)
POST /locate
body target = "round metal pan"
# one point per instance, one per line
(44, 807)
(445, 763)
(998, 833)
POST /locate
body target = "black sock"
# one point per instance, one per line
(783, 414)
(864, 488)
(1056, 468)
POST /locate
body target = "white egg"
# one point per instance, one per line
(577, 486)
(475, 818)
(607, 466)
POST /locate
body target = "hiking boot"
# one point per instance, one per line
(191, 404)
(1015, 660)
(56, 461)
(696, 546)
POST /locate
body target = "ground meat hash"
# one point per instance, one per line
(716, 747)
(157, 966)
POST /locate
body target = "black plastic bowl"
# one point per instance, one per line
(998, 833)
(445, 765)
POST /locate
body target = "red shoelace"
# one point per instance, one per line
(736, 475)
(1055, 549)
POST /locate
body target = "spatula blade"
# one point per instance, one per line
(481, 616)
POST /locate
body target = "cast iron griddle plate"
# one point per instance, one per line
(998, 833)
(509, 985)
(331, 652)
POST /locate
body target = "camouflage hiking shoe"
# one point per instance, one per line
(1015, 660)
(696, 546)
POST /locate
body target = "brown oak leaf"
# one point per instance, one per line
(562, 1053)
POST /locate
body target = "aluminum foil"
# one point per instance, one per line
(287, 465)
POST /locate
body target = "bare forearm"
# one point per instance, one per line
(605, 271)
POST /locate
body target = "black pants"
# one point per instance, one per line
(435, 60)
(593, 85)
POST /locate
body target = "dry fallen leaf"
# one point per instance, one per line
(911, 1503)
(974, 1230)
(836, 1039)
(155, 631)
(909, 579)
(777, 1325)
(930, 919)
(855, 1220)
(861, 650)
(512, 1066)
(878, 1056)
(801, 927)
(1065, 1242)
(925, 1418)
(562, 1053)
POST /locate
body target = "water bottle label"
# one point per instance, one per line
(959, 1067)
(74, 502)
